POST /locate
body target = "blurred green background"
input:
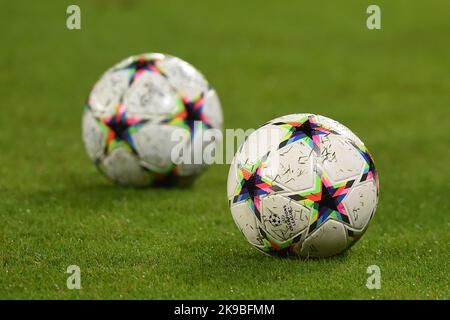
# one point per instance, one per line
(390, 86)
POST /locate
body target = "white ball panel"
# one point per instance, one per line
(212, 109)
(154, 144)
(151, 97)
(283, 218)
(194, 151)
(93, 136)
(360, 203)
(328, 240)
(258, 144)
(246, 221)
(123, 167)
(184, 77)
(108, 92)
(339, 158)
(292, 166)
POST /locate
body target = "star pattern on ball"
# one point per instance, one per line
(306, 128)
(194, 112)
(274, 220)
(369, 171)
(141, 65)
(119, 129)
(253, 186)
(326, 201)
(191, 114)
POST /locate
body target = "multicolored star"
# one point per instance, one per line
(141, 65)
(190, 113)
(326, 201)
(306, 128)
(369, 172)
(119, 128)
(253, 186)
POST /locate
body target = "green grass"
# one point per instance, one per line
(391, 86)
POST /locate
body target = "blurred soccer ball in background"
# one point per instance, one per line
(303, 184)
(132, 112)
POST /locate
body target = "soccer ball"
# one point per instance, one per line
(302, 185)
(140, 111)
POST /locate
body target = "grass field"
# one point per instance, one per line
(391, 86)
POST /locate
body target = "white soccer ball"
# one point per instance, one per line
(303, 184)
(140, 111)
